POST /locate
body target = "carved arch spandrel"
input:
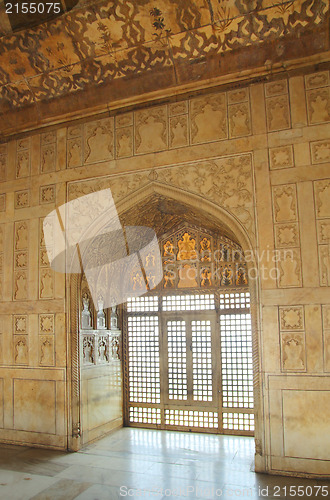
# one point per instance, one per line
(214, 212)
(225, 181)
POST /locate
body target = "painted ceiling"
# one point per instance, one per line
(106, 51)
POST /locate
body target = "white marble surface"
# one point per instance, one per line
(140, 463)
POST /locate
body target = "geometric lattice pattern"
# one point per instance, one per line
(236, 360)
(235, 300)
(177, 360)
(141, 415)
(201, 334)
(143, 352)
(238, 421)
(192, 418)
(188, 302)
(148, 303)
(175, 388)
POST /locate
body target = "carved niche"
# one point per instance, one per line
(23, 158)
(3, 166)
(48, 156)
(278, 113)
(239, 120)
(46, 351)
(293, 351)
(179, 131)
(21, 354)
(289, 266)
(74, 152)
(285, 203)
(124, 142)
(208, 118)
(322, 198)
(326, 336)
(151, 130)
(98, 140)
(318, 105)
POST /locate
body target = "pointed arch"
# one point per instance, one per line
(233, 226)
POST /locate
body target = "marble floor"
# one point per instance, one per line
(141, 463)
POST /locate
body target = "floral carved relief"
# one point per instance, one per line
(225, 181)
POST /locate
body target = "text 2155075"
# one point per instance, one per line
(33, 8)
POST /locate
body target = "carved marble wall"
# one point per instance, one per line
(255, 157)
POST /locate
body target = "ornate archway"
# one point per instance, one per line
(208, 211)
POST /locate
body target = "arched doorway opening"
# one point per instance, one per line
(188, 342)
(166, 209)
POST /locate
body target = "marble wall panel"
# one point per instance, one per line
(35, 406)
(308, 438)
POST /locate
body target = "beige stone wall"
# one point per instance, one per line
(256, 158)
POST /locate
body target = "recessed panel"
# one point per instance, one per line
(35, 406)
